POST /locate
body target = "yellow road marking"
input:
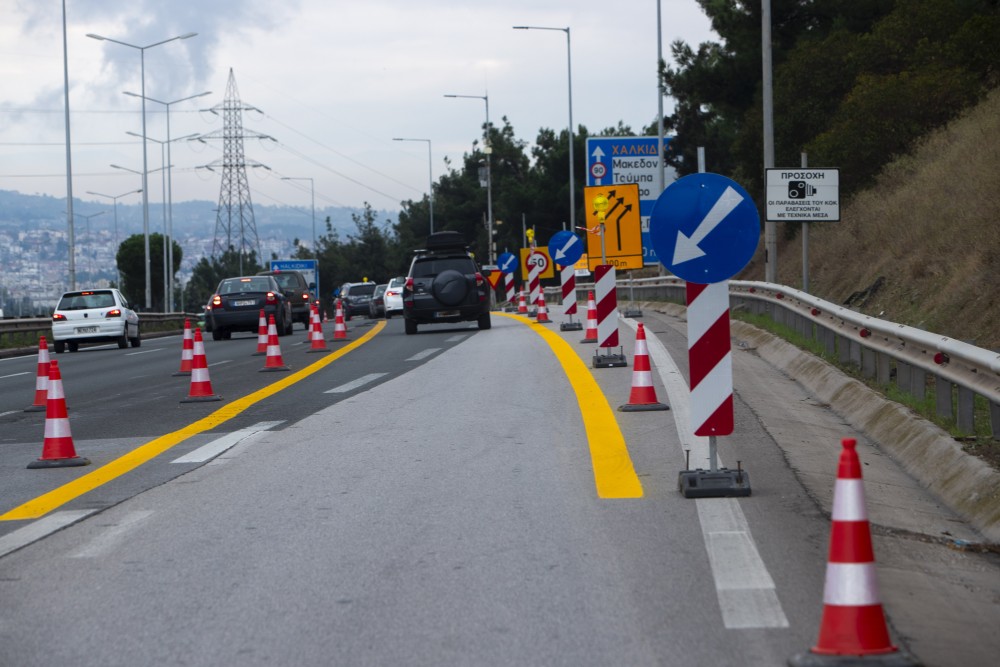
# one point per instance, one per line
(614, 474)
(47, 502)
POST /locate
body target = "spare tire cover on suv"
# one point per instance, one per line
(450, 287)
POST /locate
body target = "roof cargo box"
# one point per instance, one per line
(445, 241)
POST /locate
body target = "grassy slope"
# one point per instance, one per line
(929, 225)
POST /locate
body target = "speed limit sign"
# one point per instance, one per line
(598, 170)
(537, 257)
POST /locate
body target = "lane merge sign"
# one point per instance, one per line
(705, 228)
(622, 226)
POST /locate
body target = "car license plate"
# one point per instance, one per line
(85, 330)
(447, 313)
(245, 302)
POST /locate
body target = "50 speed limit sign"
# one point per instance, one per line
(537, 257)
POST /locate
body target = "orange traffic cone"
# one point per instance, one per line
(853, 623)
(42, 379)
(187, 350)
(273, 362)
(590, 335)
(261, 335)
(201, 385)
(57, 450)
(339, 330)
(543, 313)
(643, 395)
(317, 342)
(522, 304)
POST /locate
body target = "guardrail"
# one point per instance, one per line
(14, 331)
(883, 350)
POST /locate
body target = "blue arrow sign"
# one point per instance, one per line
(565, 248)
(507, 262)
(704, 228)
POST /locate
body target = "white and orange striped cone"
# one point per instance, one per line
(542, 316)
(261, 335)
(853, 623)
(643, 396)
(42, 379)
(339, 329)
(590, 335)
(522, 304)
(187, 350)
(201, 384)
(57, 449)
(273, 362)
(316, 341)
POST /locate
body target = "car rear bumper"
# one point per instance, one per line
(239, 320)
(82, 330)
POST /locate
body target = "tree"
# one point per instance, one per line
(131, 258)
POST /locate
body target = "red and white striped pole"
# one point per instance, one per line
(607, 317)
(534, 283)
(567, 276)
(508, 282)
(711, 362)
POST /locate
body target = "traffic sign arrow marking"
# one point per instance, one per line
(506, 266)
(687, 247)
(598, 153)
(561, 252)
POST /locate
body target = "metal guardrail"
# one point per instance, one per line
(883, 350)
(12, 331)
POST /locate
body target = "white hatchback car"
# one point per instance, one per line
(95, 315)
(393, 297)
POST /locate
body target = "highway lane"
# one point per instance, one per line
(467, 529)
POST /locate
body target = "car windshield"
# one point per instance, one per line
(240, 285)
(426, 268)
(85, 300)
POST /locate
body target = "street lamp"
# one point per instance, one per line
(489, 176)
(87, 218)
(569, 78)
(69, 156)
(143, 175)
(115, 198)
(170, 190)
(430, 176)
(312, 191)
(145, 186)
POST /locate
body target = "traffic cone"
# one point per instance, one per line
(317, 342)
(853, 623)
(590, 335)
(339, 330)
(187, 350)
(522, 304)
(42, 379)
(201, 385)
(643, 395)
(273, 362)
(57, 449)
(261, 335)
(543, 313)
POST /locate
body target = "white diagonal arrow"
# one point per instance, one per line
(687, 247)
(506, 265)
(561, 252)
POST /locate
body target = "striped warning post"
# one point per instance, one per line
(710, 358)
(508, 283)
(534, 282)
(567, 275)
(607, 305)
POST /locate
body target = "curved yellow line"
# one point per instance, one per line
(47, 502)
(614, 474)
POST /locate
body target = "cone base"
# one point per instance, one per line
(642, 407)
(722, 483)
(338, 340)
(180, 373)
(896, 659)
(273, 368)
(543, 321)
(35, 408)
(59, 463)
(201, 399)
(258, 354)
(318, 349)
(589, 340)
(571, 326)
(609, 361)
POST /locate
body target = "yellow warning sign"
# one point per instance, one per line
(613, 212)
(539, 257)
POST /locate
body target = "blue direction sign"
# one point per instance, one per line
(565, 248)
(507, 262)
(704, 228)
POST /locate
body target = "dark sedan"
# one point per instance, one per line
(237, 303)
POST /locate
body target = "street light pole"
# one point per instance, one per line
(87, 218)
(69, 158)
(145, 163)
(312, 195)
(430, 176)
(170, 191)
(489, 176)
(569, 79)
(114, 199)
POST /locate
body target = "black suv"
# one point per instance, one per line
(355, 298)
(293, 286)
(445, 284)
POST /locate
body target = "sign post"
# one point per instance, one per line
(705, 229)
(566, 248)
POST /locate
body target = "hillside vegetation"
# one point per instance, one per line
(923, 239)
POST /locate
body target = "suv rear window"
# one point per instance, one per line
(431, 266)
(362, 289)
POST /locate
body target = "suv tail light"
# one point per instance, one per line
(479, 279)
(271, 299)
(114, 312)
(408, 285)
(306, 297)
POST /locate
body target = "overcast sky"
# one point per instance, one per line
(335, 82)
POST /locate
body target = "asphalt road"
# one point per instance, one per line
(440, 499)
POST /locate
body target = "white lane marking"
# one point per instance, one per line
(10, 412)
(43, 527)
(219, 445)
(455, 339)
(129, 354)
(107, 540)
(219, 363)
(424, 354)
(12, 375)
(746, 592)
(354, 384)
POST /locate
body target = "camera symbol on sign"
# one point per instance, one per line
(800, 190)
